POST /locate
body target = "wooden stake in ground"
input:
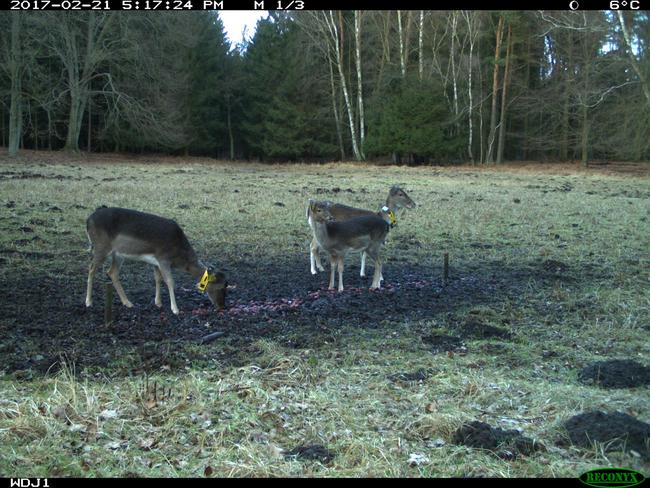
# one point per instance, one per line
(108, 306)
(445, 268)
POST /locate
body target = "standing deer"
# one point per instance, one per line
(397, 198)
(364, 233)
(128, 234)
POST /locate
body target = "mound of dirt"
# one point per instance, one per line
(617, 431)
(616, 373)
(475, 328)
(507, 444)
(444, 343)
(314, 452)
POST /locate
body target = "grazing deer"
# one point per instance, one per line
(397, 198)
(129, 234)
(364, 233)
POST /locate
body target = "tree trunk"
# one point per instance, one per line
(504, 97)
(401, 43)
(49, 130)
(495, 91)
(584, 157)
(568, 67)
(344, 85)
(230, 135)
(470, 134)
(16, 73)
(35, 128)
(357, 42)
(385, 51)
(633, 61)
(420, 43)
(90, 124)
(337, 117)
(526, 87)
(75, 116)
(452, 57)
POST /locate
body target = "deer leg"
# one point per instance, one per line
(166, 274)
(340, 260)
(377, 277)
(114, 272)
(314, 258)
(158, 277)
(98, 260)
(332, 271)
(363, 264)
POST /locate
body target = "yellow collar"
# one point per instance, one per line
(205, 279)
(391, 215)
(393, 218)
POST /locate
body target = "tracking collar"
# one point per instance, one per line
(391, 216)
(205, 279)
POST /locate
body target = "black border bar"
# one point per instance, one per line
(297, 5)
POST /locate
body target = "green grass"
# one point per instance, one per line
(236, 421)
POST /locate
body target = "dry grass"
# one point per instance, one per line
(239, 421)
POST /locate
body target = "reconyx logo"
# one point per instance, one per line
(618, 477)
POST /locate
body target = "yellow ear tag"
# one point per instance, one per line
(205, 279)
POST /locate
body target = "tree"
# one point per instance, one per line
(495, 90)
(412, 122)
(15, 65)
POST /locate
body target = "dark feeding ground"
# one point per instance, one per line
(281, 301)
(46, 321)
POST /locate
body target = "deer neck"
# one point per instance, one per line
(196, 270)
(391, 204)
(320, 231)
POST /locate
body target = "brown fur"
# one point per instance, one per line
(129, 234)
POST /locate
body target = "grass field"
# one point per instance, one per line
(549, 274)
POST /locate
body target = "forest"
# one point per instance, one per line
(419, 87)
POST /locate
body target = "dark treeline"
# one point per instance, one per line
(411, 86)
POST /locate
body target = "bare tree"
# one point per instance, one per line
(357, 51)
(632, 58)
(14, 63)
(420, 44)
(471, 18)
(495, 90)
(504, 97)
(81, 42)
(402, 48)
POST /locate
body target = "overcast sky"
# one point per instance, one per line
(234, 22)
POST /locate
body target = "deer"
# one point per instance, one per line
(396, 199)
(365, 233)
(129, 234)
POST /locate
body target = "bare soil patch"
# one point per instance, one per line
(506, 444)
(616, 373)
(288, 305)
(617, 431)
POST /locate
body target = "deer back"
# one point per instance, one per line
(132, 232)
